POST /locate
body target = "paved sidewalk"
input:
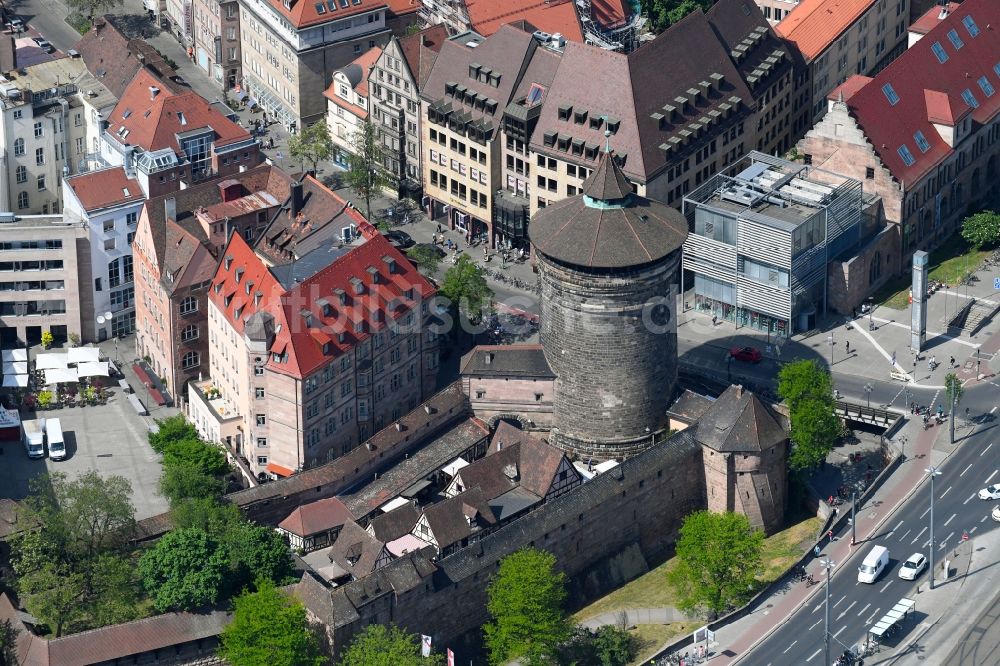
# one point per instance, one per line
(735, 640)
(634, 616)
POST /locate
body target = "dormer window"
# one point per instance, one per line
(307, 316)
(359, 327)
(287, 4)
(249, 287)
(239, 275)
(390, 264)
(327, 348)
(342, 337)
(218, 287)
(580, 117)
(341, 295)
(564, 111)
(228, 261)
(358, 285)
(372, 274)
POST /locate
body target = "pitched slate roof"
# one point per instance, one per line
(104, 188)
(316, 517)
(813, 25)
(151, 116)
(738, 421)
(114, 59)
(552, 16)
(449, 519)
(636, 87)
(421, 49)
(355, 544)
(586, 230)
(930, 91)
(394, 524)
(506, 361)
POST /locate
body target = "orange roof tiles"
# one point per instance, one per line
(552, 16)
(365, 62)
(104, 188)
(931, 18)
(610, 13)
(303, 13)
(815, 24)
(847, 89)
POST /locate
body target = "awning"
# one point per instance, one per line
(274, 468)
(452, 468)
(60, 376)
(16, 368)
(9, 418)
(11, 355)
(241, 95)
(393, 504)
(83, 355)
(415, 489)
(97, 369)
(15, 381)
(251, 101)
(51, 362)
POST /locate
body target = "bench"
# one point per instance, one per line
(137, 404)
(123, 383)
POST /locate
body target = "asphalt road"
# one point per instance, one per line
(980, 646)
(856, 606)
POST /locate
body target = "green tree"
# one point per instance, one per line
(170, 430)
(92, 8)
(815, 429)
(386, 645)
(982, 228)
(954, 390)
(258, 553)
(185, 480)
(207, 458)
(718, 556)
(54, 592)
(613, 646)
(207, 514)
(664, 13)
(312, 144)
(269, 628)
(804, 380)
(426, 258)
(364, 166)
(526, 598)
(184, 570)
(465, 286)
(8, 643)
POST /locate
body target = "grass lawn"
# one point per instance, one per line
(949, 263)
(651, 590)
(651, 637)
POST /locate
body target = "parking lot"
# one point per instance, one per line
(109, 438)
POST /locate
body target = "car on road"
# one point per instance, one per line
(913, 567)
(747, 354)
(17, 25)
(43, 44)
(996, 513)
(990, 492)
(400, 239)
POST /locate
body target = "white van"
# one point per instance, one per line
(54, 435)
(873, 566)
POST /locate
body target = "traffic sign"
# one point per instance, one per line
(996, 283)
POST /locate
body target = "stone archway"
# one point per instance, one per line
(516, 420)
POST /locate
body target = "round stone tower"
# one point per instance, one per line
(608, 261)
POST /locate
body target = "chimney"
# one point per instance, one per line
(170, 208)
(153, 92)
(296, 200)
(427, 409)
(489, 358)
(739, 390)
(399, 427)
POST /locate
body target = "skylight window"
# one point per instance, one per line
(320, 8)
(970, 25)
(970, 99)
(331, 5)
(996, 69)
(921, 140)
(907, 156)
(955, 40)
(986, 86)
(939, 52)
(890, 94)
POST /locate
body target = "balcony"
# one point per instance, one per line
(213, 414)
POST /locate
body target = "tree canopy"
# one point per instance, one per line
(954, 390)
(257, 553)
(664, 13)
(982, 228)
(184, 570)
(465, 286)
(804, 380)
(92, 8)
(386, 645)
(807, 389)
(269, 628)
(718, 555)
(426, 257)
(365, 174)
(526, 598)
(312, 144)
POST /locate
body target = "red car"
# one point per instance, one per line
(748, 354)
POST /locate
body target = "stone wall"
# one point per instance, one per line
(611, 340)
(529, 398)
(852, 280)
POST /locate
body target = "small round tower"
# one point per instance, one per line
(608, 261)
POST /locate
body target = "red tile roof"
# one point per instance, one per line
(365, 62)
(303, 13)
(315, 517)
(280, 470)
(552, 16)
(104, 188)
(153, 120)
(610, 13)
(815, 24)
(926, 23)
(847, 89)
(930, 91)
(378, 303)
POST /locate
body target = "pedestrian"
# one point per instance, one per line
(439, 227)
(848, 346)
(894, 359)
(951, 362)
(270, 142)
(854, 312)
(714, 320)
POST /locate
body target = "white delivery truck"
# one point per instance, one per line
(33, 436)
(54, 438)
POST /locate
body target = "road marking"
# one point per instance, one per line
(973, 529)
(872, 616)
(971, 497)
(841, 631)
(841, 600)
(966, 470)
(898, 525)
(885, 586)
(789, 647)
(810, 658)
(862, 611)
(982, 520)
(944, 493)
(919, 535)
(814, 624)
(993, 410)
(986, 449)
(818, 606)
(904, 535)
(846, 610)
(949, 520)
(990, 477)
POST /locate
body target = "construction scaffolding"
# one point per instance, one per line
(623, 36)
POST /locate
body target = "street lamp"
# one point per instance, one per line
(868, 392)
(871, 308)
(932, 472)
(827, 564)
(854, 526)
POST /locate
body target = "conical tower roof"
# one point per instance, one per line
(607, 225)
